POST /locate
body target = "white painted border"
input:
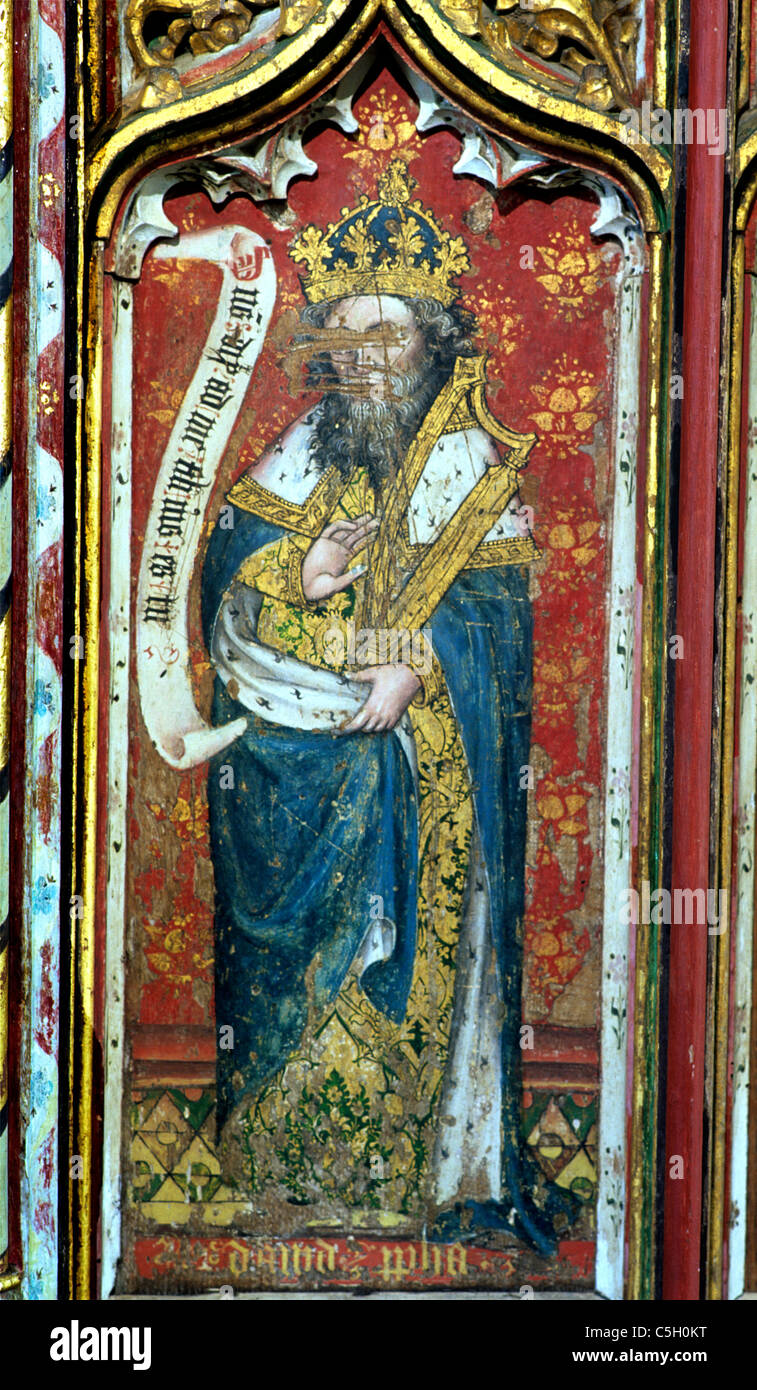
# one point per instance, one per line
(611, 1195)
(118, 771)
(745, 844)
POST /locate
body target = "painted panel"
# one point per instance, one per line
(318, 939)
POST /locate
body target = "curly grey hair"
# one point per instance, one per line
(448, 333)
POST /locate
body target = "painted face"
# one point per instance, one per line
(387, 340)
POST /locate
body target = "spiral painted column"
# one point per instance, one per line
(39, 927)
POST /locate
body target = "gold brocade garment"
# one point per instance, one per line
(349, 1125)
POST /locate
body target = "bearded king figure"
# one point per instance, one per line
(365, 604)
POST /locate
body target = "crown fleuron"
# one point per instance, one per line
(388, 246)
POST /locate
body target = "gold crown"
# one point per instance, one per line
(389, 246)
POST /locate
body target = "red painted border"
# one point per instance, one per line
(19, 605)
(705, 191)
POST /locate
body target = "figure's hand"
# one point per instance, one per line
(392, 689)
(324, 568)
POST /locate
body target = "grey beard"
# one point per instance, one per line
(356, 431)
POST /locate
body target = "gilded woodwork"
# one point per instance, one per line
(593, 41)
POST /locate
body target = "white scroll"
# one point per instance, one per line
(184, 487)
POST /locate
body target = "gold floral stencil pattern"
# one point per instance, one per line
(572, 273)
(566, 395)
(385, 130)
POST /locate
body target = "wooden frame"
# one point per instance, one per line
(120, 150)
(104, 173)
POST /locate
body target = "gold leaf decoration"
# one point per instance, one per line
(407, 239)
(206, 26)
(396, 184)
(295, 15)
(160, 32)
(452, 257)
(358, 240)
(593, 39)
(395, 248)
(573, 272)
(311, 246)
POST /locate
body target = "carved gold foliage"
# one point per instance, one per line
(206, 25)
(160, 31)
(595, 39)
(295, 15)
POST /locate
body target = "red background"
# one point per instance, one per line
(542, 290)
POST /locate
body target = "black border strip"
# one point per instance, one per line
(6, 158)
(6, 283)
(5, 597)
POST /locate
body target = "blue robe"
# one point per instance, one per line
(317, 823)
